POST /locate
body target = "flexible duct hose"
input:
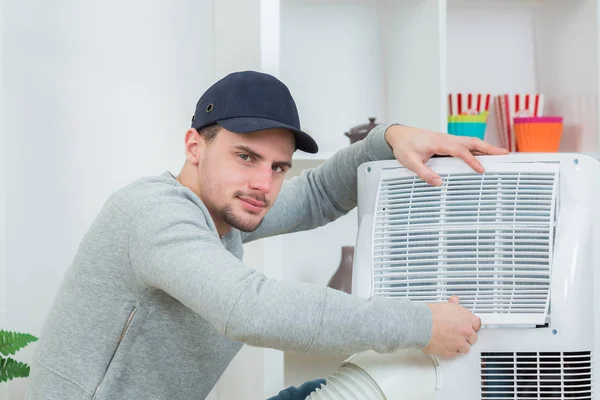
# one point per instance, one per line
(404, 375)
(348, 383)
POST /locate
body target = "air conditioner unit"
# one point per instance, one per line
(520, 246)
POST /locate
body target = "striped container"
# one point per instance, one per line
(468, 125)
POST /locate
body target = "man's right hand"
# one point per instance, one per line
(454, 329)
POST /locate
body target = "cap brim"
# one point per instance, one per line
(251, 124)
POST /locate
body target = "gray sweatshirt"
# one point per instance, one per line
(155, 304)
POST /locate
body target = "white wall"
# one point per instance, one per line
(3, 388)
(566, 34)
(97, 94)
(331, 61)
(232, 51)
(412, 39)
(494, 52)
(567, 31)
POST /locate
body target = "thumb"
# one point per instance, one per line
(454, 299)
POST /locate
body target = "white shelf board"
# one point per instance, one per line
(301, 156)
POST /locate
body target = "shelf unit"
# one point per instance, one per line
(347, 60)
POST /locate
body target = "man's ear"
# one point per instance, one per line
(194, 145)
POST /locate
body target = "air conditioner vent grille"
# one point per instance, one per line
(487, 238)
(536, 375)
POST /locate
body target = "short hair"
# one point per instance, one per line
(209, 132)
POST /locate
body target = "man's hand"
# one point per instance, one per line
(454, 329)
(414, 146)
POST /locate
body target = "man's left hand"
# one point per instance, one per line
(413, 147)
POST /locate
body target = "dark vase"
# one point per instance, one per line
(342, 278)
(359, 132)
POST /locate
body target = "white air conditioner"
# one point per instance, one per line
(519, 245)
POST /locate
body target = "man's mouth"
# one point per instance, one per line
(251, 204)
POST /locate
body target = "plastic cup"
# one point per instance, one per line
(538, 134)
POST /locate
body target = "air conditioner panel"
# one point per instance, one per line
(485, 237)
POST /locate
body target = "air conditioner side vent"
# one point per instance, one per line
(536, 375)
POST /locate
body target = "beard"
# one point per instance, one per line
(238, 222)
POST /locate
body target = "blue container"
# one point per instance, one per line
(472, 129)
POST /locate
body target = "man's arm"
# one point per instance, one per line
(325, 193)
(172, 249)
(329, 191)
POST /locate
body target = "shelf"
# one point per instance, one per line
(550, 48)
(345, 61)
(301, 156)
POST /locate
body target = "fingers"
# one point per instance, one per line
(464, 348)
(476, 323)
(456, 146)
(454, 299)
(464, 147)
(472, 338)
(415, 164)
(462, 152)
(480, 146)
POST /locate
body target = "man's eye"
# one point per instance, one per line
(278, 168)
(245, 157)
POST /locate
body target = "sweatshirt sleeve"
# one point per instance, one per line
(325, 193)
(173, 249)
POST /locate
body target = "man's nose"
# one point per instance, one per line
(262, 179)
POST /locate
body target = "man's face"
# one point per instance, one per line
(240, 175)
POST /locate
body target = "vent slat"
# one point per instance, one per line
(457, 244)
(486, 237)
(463, 279)
(548, 366)
(425, 276)
(522, 193)
(457, 231)
(492, 265)
(536, 374)
(517, 287)
(488, 202)
(504, 222)
(467, 262)
(489, 297)
(518, 228)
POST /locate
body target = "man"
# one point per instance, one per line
(157, 300)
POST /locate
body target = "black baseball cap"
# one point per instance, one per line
(249, 101)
